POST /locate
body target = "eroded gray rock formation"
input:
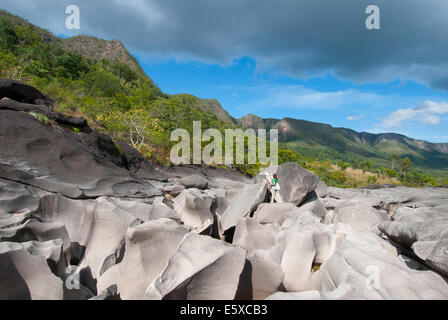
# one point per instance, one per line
(296, 182)
(201, 269)
(359, 216)
(423, 228)
(83, 219)
(244, 203)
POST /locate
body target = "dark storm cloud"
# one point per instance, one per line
(302, 38)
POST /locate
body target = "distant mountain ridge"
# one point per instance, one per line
(303, 135)
(309, 138)
(95, 48)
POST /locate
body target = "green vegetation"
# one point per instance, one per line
(41, 117)
(119, 100)
(116, 99)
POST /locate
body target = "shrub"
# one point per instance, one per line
(71, 66)
(338, 177)
(372, 180)
(41, 117)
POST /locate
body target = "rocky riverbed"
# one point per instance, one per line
(73, 208)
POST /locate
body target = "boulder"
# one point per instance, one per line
(22, 92)
(173, 190)
(297, 260)
(321, 189)
(80, 123)
(135, 162)
(380, 186)
(284, 258)
(295, 182)
(251, 235)
(274, 212)
(314, 206)
(25, 274)
(367, 267)
(50, 250)
(161, 210)
(201, 269)
(15, 196)
(359, 216)
(103, 145)
(222, 201)
(243, 204)
(197, 181)
(266, 276)
(139, 209)
(148, 171)
(132, 157)
(110, 293)
(98, 225)
(423, 230)
(57, 262)
(149, 246)
(11, 224)
(194, 208)
(58, 161)
(301, 220)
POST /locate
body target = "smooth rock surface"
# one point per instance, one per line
(424, 230)
(202, 268)
(24, 276)
(367, 267)
(197, 181)
(194, 208)
(149, 246)
(58, 161)
(295, 182)
(244, 203)
(359, 216)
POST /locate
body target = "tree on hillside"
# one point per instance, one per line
(337, 177)
(288, 156)
(372, 180)
(26, 41)
(391, 173)
(342, 165)
(141, 127)
(366, 165)
(394, 160)
(26, 36)
(124, 72)
(355, 164)
(99, 82)
(405, 165)
(71, 66)
(9, 38)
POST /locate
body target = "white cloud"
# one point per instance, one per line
(353, 118)
(300, 97)
(300, 38)
(427, 112)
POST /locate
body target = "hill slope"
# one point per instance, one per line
(84, 74)
(325, 141)
(96, 49)
(102, 82)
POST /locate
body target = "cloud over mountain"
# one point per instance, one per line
(302, 38)
(428, 113)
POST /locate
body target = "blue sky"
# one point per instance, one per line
(305, 59)
(242, 89)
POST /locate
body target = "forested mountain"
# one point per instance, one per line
(325, 141)
(102, 82)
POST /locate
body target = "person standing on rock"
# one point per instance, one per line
(274, 187)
